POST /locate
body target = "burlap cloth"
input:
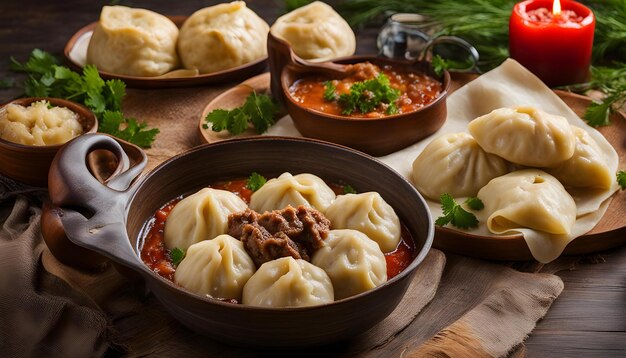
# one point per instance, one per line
(455, 306)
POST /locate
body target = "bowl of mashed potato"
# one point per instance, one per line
(31, 132)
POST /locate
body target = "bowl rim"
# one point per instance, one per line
(58, 102)
(445, 81)
(409, 270)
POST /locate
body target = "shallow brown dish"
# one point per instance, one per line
(110, 221)
(378, 136)
(610, 232)
(165, 81)
(29, 164)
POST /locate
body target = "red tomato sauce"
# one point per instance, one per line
(416, 90)
(156, 255)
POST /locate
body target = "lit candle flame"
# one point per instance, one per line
(556, 7)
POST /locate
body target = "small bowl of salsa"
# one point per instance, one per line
(377, 106)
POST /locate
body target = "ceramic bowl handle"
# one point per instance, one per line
(93, 213)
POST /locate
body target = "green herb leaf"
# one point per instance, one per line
(454, 214)
(128, 129)
(177, 255)
(439, 65)
(330, 89)
(368, 95)
(255, 181)
(474, 203)
(258, 109)
(47, 79)
(621, 179)
(347, 189)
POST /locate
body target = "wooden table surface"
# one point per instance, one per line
(587, 320)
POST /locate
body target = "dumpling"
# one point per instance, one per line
(135, 42)
(353, 261)
(301, 189)
(223, 36)
(525, 135)
(287, 282)
(316, 32)
(528, 198)
(201, 216)
(369, 214)
(587, 168)
(455, 164)
(219, 268)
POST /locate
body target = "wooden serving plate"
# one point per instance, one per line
(230, 99)
(76, 48)
(610, 232)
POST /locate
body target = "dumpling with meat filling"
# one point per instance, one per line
(587, 168)
(316, 32)
(369, 214)
(353, 261)
(287, 282)
(455, 164)
(219, 268)
(135, 42)
(528, 198)
(222, 36)
(201, 216)
(525, 135)
(301, 189)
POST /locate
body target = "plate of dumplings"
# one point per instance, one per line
(148, 50)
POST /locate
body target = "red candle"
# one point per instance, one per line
(555, 44)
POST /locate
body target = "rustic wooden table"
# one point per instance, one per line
(588, 319)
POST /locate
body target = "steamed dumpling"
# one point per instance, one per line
(528, 198)
(201, 216)
(369, 214)
(219, 268)
(353, 261)
(135, 42)
(302, 189)
(287, 282)
(223, 36)
(587, 168)
(455, 164)
(525, 135)
(316, 32)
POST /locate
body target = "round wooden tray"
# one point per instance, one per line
(608, 233)
(172, 79)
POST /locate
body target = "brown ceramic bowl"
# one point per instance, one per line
(378, 136)
(29, 164)
(110, 221)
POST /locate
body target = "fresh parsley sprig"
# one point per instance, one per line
(365, 96)
(621, 179)
(611, 81)
(259, 109)
(255, 181)
(46, 78)
(348, 189)
(454, 214)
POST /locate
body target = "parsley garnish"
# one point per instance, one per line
(367, 95)
(104, 98)
(439, 65)
(255, 181)
(177, 255)
(454, 214)
(621, 179)
(347, 189)
(329, 91)
(611, 81)
(259, 109)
